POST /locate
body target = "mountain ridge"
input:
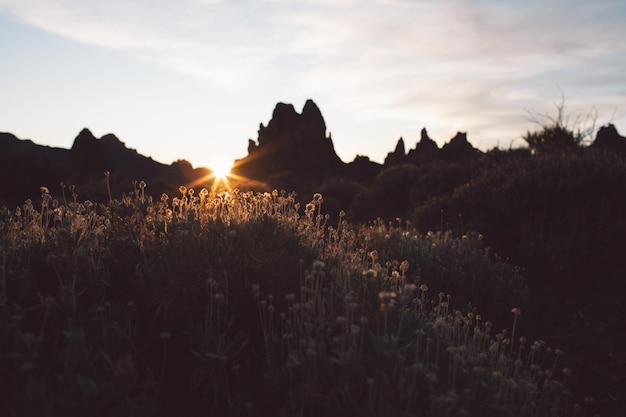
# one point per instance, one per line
(293, 151)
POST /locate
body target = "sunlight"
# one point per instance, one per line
(221, 176)
(221, 169)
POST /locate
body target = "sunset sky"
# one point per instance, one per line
(192, 79)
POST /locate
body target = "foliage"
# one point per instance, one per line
(242, 303)
(559, 133)
(560, 216)
(439, 178)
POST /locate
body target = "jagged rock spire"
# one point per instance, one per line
(294, 143)
(398, 156)
(87, 157)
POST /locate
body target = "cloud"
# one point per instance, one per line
(440, 61)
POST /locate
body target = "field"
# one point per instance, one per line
(243, 303)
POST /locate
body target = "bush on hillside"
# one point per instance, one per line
(240, 303)
(560, 216)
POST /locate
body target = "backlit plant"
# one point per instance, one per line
(243, 303)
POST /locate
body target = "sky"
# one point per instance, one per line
(193, 79)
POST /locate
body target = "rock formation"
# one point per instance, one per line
(291, 143)
(425, 150)
(459, 149)
(608, 139)
(87, 160)
(398, 156)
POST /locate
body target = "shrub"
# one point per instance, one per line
(240, 303)
(560, 216)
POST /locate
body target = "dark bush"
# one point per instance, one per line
(559, 216)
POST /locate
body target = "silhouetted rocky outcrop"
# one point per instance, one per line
(293, 143)
(26, 166)
(293, 151)
(459, 149)
(363, 170)
(608, 139)
(425, 150)
(398, 156)
(87, 158)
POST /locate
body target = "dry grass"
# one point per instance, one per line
(243, 303)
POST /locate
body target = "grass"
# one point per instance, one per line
(243, 303)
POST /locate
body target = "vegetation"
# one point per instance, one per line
(241, 304)
(258, 303)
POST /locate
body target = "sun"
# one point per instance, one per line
(221, 169)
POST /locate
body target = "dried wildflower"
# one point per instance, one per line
(410, 288)
(318, 265)
(386, 295)
(370, 274)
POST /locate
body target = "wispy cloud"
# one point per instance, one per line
(437, 61)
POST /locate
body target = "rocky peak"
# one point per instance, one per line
(112, 141)
(609, 139)
(459, 149)
(291, 142)
(284, 119)
(84, 137)
(313, 120)
(398, 156)
(425, 150)
(426, 143)
(87, 158)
